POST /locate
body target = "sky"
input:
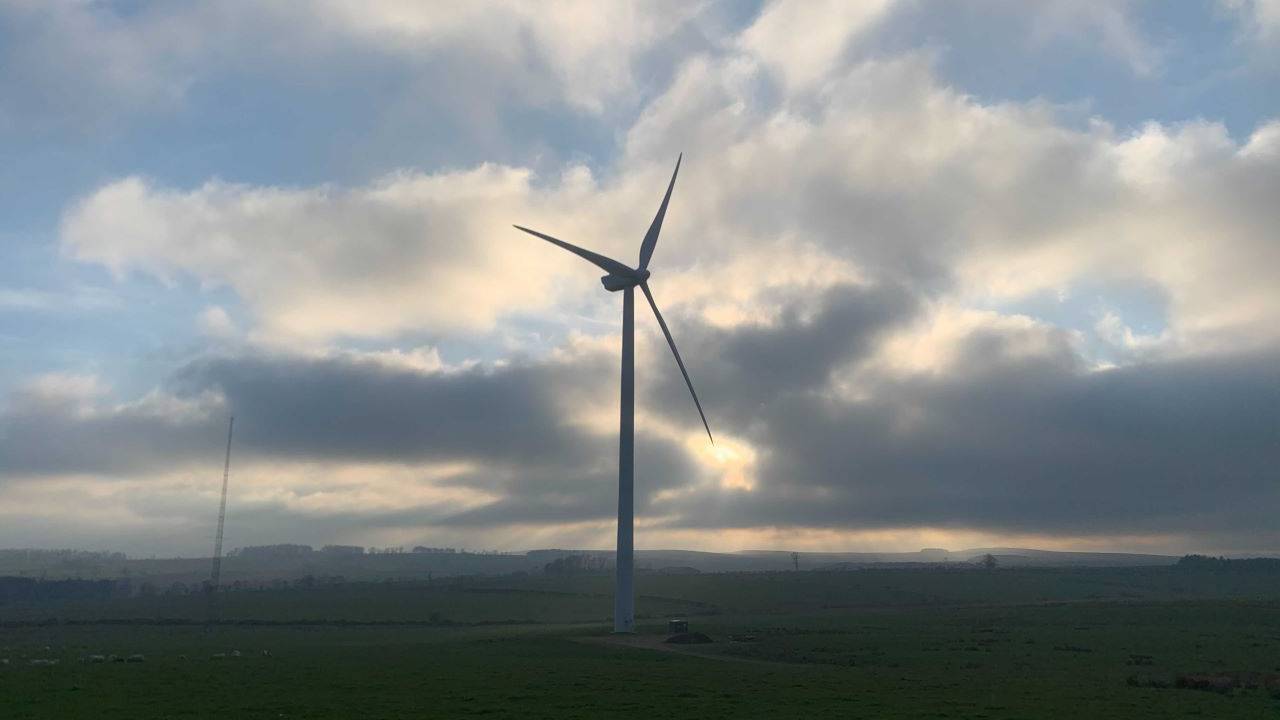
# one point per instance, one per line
(983, 273)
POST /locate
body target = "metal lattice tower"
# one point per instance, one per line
(222, 512)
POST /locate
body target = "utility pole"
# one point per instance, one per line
(222, 516)
(795, 559)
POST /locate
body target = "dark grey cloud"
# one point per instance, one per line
(738, 371)
(1026, 444)
(565, 494)
(345, 407)
(333, 407)
(44, 433)
(516, 424)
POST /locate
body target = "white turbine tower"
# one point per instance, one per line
(624, 278)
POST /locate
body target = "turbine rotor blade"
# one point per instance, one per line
(671, 341)
(609, 265)
(651, 237)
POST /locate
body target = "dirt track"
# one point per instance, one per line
(655, 642)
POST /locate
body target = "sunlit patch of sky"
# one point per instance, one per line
(1143, 307)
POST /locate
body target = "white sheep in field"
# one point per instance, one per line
(97, 658)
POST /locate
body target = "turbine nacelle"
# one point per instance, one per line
(613, 282)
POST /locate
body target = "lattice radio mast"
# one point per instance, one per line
(222, 512)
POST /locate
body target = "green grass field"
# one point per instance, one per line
(869, 644)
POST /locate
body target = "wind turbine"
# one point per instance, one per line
(623, 278)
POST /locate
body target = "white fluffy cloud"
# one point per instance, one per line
(801, 42)
(897, 174)
(411, 251)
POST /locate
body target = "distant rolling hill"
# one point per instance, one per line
(783, 560)
(261, 567)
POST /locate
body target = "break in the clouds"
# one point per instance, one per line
(917, 302)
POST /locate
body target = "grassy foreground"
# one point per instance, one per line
(808, 645)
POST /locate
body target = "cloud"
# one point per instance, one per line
(1112, 329)
(1262, 17)
(1021, 438)
(803, 41)
(216, 323)
(901, 177)
(407, 252)
(346, 438)
(582, 51)
(66, 425)
(1109, 24)
(796, 353)
(856, 266)
(86, 66)
(73, 299)
(354, 407)
(1016, 436)
(62, 64)
(890, 173)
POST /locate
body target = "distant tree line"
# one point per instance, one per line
(24, 589)
(1206, 562)
(74, 563)
(272, 552)
(46, 556)
(290, 551)
(578, 565)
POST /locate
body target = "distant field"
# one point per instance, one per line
(470, 603)
(873, 644)
(588, 598)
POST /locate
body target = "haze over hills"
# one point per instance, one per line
(287, 562)
(1007, 556)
